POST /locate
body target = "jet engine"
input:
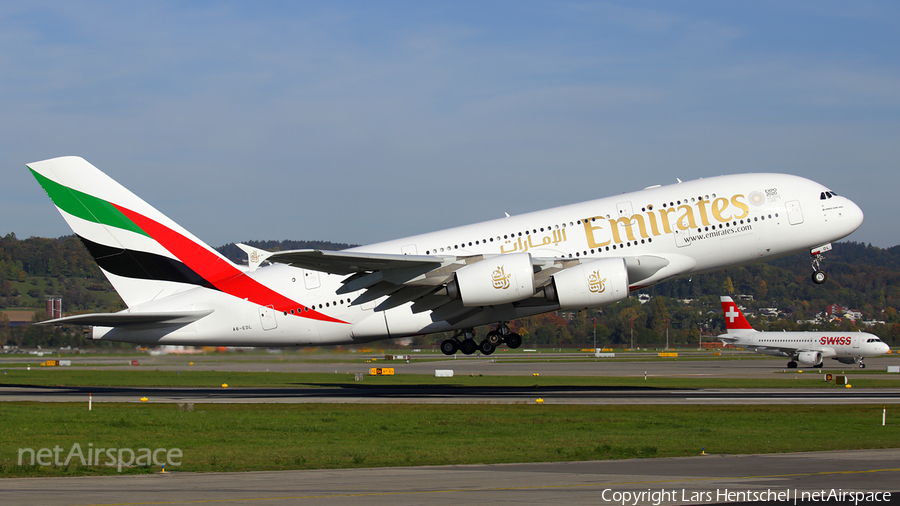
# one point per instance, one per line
(809, 358)
(497, 280)
(589, 285)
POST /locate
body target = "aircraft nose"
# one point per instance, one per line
(853, 215)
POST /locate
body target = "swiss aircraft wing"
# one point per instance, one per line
(795, 351)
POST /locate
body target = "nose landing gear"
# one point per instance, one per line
(818, 275)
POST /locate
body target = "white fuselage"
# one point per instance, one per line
(830, 344)
(696, 226)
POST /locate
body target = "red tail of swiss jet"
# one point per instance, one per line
(734, 318)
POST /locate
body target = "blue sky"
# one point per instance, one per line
(367, 121)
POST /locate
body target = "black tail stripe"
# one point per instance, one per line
(142, 265)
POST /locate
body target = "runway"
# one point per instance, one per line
(431, 394)
(694, 480)
(687, 480)
(739, 365)
(734, 364)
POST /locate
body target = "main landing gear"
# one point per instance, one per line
(468, 345)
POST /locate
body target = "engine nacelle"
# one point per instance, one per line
(810, 358)
(497, 280)
(589, 285)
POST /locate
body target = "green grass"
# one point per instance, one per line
(64, 376)
(230, 437)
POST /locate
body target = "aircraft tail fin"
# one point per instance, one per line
(734, 318)
(144, 254)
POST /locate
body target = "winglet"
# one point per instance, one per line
(734, 318)
(255, 256)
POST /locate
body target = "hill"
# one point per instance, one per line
(861, 277)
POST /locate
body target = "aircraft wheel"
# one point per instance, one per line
(493, 337)
(513, 340)
(449, 346)
(862, 365)
(819, 366)
(468, 346)
(486, 348)
(792, 365)
(819, 277)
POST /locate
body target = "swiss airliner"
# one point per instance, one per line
(180, 291)
(804, 348)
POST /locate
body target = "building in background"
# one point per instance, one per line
(54, 307)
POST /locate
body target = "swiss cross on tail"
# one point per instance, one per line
(734, 319)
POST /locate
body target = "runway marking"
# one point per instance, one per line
(496, 489)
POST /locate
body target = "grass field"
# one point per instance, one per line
(228, 437)
(149, 378)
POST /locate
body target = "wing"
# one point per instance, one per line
(428, 280)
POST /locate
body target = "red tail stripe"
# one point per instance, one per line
(734, 318)
(217, 272)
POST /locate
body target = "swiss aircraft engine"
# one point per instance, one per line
(496, 280)
(809, 358)
(589, 285)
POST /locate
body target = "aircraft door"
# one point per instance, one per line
(856, 341)
(408, 249)
(795, 214)
(624, 210)
(267, 317)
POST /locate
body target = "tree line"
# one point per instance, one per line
(861, 277)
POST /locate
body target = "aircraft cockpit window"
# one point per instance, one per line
(827, 195)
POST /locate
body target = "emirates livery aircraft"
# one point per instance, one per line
(807, 348)
(179, 291)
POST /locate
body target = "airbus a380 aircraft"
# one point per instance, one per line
(807, 348)
(181, 291)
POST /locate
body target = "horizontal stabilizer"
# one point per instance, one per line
(128, 319)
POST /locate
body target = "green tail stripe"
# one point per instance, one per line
(85, 206)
